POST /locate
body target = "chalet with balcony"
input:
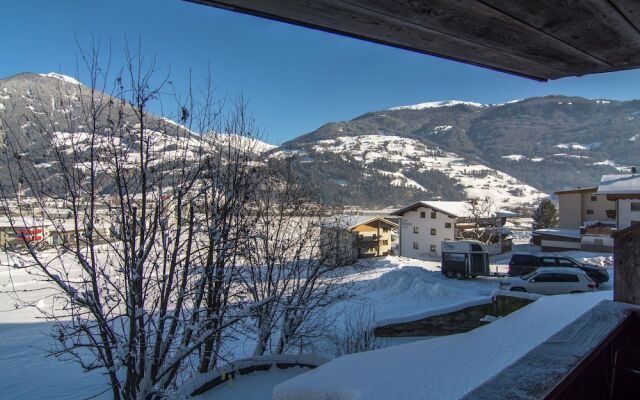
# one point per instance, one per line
(349, 238)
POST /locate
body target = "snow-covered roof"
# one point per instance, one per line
(619, 184)
(577, 190)
(453, 208)
(506, 213)
(347, 221)
(447, 367)
(355, 220)
(571, 233)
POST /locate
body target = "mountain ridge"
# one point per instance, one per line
(517, 151)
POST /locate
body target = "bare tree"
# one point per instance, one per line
(287, 263)
(481, 220)
(358, 331)
(147, 220)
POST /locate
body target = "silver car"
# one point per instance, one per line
(550, 280)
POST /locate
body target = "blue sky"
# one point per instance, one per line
(294, 79)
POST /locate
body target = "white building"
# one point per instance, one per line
(625, 191)
(426, 224)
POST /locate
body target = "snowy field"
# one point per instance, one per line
(390, 288)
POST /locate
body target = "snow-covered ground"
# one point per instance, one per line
(392, 288)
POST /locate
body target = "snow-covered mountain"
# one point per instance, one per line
(31, 102)
(400, 165)
(515, 152)
(531, 147)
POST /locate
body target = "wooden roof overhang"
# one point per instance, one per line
(537, 39)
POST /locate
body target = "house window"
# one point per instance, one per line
(415, 245)
(447, 225)
(594, 198)
(635, 206)
(433, 231)
(423, 214)
(589, 211)
(433, 248)
(385, 242)
(415, 229)
(433, 215)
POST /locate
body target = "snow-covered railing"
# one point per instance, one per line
(207, 381)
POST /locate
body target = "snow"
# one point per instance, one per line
(255, 145)
(63, 78)
(436, 311)
(477, 180)
(612, 164)
(396, 289)
(515, 157)
(577, 146)
(571, 233)
(27, 374)
(425, 369)
(569, 155)
(252, 385)
(438, 104)
(619, 184)
(455, 208)
(401, 180)
(442, 129)
(255, 386)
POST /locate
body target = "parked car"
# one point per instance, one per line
(522, 263)
(550, 280)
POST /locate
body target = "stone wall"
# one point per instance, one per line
(454, 322)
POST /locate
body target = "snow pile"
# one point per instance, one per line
(403, 289)
(63, 78)
(442, 368)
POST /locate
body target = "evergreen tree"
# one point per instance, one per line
(545, 216)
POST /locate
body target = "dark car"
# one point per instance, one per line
(522, 264)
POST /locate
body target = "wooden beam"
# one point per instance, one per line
(594, 27)
(538, 39)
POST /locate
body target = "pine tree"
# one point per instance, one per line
(545, 216)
